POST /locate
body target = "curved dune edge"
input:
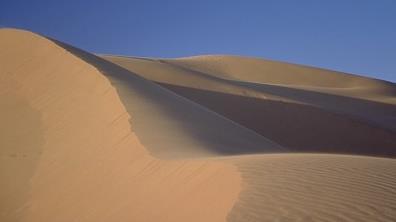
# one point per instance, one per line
(79, 159)
(171, 126)
(85, 164)
(301, 119)
(313, 187)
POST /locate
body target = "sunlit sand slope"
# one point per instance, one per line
(83, 139)
(313, 187)
(68, 153)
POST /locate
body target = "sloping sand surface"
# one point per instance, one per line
(258, 70)
(83, 139)
(68, 152)
(313, 187)
(341, 92)
(171, 126)
(316, 111)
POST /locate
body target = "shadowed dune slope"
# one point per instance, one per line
(308, 109)
(82, 139)
(171, 126)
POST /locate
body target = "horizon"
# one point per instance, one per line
(344, 37)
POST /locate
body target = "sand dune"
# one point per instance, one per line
(182, 128)
(83, 139)
(326, 118)
(258, 70)
(68, 152)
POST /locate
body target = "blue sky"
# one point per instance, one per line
(356, 36)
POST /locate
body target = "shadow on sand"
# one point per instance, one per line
(170, 136)
(300, 128)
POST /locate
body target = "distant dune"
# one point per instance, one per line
(208, 138)
(301, 108)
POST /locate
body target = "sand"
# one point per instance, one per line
(68, 152)
(312, 111)
(83, 139)
(315, 187)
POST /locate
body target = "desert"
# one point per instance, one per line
(98, 137)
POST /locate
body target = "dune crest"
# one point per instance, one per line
(83, 162)
(303, 109)
(85, 138)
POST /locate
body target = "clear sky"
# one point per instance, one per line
(356, 36)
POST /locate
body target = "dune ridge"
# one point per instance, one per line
(92, 131)
(301, 119)
(182, 123)
(86, 164)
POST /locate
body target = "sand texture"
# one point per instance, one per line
(211, 138)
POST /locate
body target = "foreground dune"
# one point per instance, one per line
(83, 139)
(68, 152)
